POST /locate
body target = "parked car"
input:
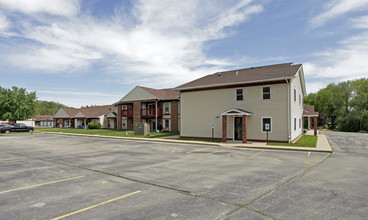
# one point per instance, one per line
(4, 128)
(18, 127)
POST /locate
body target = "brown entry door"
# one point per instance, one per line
(238, 122)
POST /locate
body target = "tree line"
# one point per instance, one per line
(18, 104)
(345, 105)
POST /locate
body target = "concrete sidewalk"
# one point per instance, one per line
(322, 143)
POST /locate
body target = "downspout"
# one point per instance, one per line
(156, 117)
(288, 107)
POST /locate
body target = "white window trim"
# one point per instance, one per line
(295, 99)
(263, 92)
(169, 128)
(294, 123)
(169, 105)
(262, 124)
(236, 95)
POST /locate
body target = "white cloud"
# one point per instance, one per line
(161, 38)
(54, 7)
(4, 23)
(340, 64)
(336, 8)
(75, 98)
(360, 22)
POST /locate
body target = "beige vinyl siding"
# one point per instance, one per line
(199, 110)
(296, 108)
(137, 94)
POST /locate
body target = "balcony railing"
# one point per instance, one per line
(127, 113)
(151, 113)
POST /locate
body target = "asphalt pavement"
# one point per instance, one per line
(47, 176)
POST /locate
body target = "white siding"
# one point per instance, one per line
(199, 110)
(296, 108)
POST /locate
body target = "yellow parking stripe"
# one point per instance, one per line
(306, 159)
(94, 206)
(41, 184)
(256, 154)
(14, 171)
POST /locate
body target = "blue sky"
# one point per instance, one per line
(92, 52)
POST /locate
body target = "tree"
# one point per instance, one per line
(360, 98)
(17, 104)
(48, 108)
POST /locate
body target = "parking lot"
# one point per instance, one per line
(47, 176)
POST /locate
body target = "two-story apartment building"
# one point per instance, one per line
(243, 104)
(158, 107)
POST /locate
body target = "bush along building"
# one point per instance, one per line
(158, 107)
(245, 104)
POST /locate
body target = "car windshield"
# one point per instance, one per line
(4, 125)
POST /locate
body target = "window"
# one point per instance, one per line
(300, 99)
(266, 93)
(300, 123)
(294, 95)
(167, 108)
(239, 94)
(265, 122)
(294, 124)
(167, 124)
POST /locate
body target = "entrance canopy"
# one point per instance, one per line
(236, 111)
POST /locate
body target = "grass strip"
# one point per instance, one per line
(304, 141)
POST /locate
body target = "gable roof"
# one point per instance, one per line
(140, 93)
(308, 110)
(248, 75)
(66, 112)
(96, 111)
(42, 117)
(163, 94)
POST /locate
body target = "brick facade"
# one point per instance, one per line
(174, 116)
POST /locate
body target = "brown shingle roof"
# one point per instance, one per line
(71, 111)
(95, 111)
(253, 74)
(42, 117)
(308, 110)
(163, 94)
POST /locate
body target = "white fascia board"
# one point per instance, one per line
(230, 84)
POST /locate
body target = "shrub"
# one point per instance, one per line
(362, 131)
(94, 125)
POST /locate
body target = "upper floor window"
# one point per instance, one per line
(239, 95)
(266, 92)
(300, 99)
(294, 95)
(167, 108)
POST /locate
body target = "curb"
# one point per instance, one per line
(269, 147)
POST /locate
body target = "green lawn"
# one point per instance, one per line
(105, 132)
(304, 141)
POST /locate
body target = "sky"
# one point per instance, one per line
(93, 52)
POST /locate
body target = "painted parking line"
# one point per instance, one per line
(41, 184)
(94, 206)
(14, 171)
(254, 155)
(307, 161)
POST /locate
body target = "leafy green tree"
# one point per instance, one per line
(360, 98)
(17, 104)
(48, 108)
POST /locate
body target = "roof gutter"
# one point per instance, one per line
(228, 84)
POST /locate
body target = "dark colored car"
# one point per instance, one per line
(18, 127)
(4, 128)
